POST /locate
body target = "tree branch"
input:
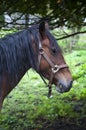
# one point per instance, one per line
(73, 34)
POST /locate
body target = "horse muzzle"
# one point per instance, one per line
(61, 87)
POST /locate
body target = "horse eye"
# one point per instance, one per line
(54, 50)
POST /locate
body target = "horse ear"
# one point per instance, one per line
(42, 29)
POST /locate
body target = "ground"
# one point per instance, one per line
(66, 125)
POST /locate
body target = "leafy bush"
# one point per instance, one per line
(5, 32)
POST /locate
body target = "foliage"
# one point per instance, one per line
(58, 12)
(71, 42)
(6, 31)
(28, 107)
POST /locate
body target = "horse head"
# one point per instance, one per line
(52, 64)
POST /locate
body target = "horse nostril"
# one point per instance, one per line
(68, 86)
(70, 83)
(61, 87)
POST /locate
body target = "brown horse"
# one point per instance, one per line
(34, 48)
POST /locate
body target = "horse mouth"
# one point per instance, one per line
(61, 88)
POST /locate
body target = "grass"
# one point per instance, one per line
(28, 107)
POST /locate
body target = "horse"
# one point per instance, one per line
(36, 48)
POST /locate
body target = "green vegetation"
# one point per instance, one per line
(27, 107)
(4, 32)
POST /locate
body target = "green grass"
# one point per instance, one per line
(28, 107)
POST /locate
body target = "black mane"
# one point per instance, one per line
(16, 51)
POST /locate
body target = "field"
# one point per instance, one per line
(27, 107)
